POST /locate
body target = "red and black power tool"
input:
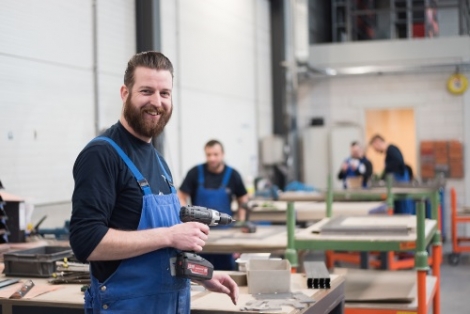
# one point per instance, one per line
(189, 264)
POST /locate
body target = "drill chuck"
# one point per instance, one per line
(204, 215)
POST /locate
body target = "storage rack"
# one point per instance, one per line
(419, 246)
(458, 242)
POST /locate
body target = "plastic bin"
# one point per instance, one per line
(36, 262)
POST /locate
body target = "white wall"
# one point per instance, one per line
(222, 60)
(116, 45)
(46, 87)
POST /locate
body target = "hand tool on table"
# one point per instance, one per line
(189, 264)
(21, 292)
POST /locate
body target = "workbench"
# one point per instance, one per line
(275, 211)
(426, 232)
(266, 239)
(328, 301)
(70, 300)
(67, 300)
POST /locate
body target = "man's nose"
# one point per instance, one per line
(156, 100)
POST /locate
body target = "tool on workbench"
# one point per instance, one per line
(318, 276)
(58, 233)
(8, 281)
(189, 264)
(21, 292)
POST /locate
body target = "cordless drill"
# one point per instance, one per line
(188, 264)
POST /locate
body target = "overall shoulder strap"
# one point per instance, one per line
(144, 185)
(200, 174)
(228, 173)
(165, 174)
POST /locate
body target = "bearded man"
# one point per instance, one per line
(125, 212)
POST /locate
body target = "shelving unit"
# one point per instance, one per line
(427, 233)
(354, 20)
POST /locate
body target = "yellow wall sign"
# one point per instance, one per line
(457, 84)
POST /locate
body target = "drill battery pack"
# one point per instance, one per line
(192, 266)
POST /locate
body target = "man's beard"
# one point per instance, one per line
(214, 166)
(143, 127)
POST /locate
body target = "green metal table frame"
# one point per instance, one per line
(422, 240)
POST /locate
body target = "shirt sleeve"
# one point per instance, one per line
(93, 198)
(394, 161)
(239, 189)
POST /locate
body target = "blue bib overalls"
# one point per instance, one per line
(143, 284)
(219, 199)
(405, 206)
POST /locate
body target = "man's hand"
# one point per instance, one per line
(189, 236)
(222, 283)
(344, 166)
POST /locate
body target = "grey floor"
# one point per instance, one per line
(455, 280)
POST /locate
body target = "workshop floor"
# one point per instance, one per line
(455, 282)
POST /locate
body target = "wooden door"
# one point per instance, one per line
(398, 127)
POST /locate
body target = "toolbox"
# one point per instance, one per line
(36, 262)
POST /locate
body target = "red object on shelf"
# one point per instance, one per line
(418, 30)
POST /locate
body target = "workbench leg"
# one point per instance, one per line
(329, 259)
(436, 271)
(421, 258)
(364, 260)
(422, 292)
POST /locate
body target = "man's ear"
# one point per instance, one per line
(124, 93)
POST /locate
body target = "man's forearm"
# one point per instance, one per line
(183, 197)
(242, 203)
(118, 244)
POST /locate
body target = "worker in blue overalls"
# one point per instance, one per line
(214, 184)
(395, 165)
(356, 166)
(125, 212)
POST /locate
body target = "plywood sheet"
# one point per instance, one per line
(378, 286)
(371, 225)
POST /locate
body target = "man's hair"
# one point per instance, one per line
(376, 137)
(148, 59)
(212, 143)
(354, 143)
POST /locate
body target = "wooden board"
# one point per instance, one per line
(365, 285)
(275, 211)
(313, 233)
(267, 239)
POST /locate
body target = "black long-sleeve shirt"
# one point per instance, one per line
(394, 162)
(106, 194)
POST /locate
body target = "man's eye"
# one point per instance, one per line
(166, 94)
(145, 91)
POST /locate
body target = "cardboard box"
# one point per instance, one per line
(456, 169)
(455, 150)
(427, 148)
(246, 257)
(427, 171)
(354, 183)
(268, 276)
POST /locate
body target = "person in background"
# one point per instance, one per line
(213, 185)
(394, 165)
(125, 212)
(355, 166)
